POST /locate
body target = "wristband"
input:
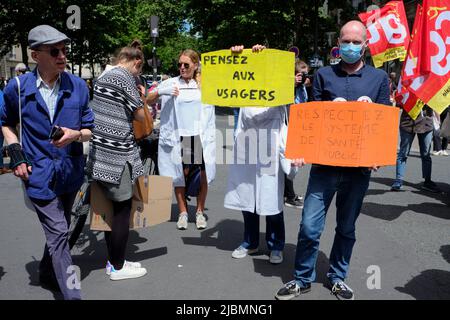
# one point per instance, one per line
(17, 155)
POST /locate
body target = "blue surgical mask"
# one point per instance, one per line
(350, 52)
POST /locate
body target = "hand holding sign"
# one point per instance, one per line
(347, 134)
(243, 78)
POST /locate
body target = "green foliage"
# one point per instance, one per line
(203, 25)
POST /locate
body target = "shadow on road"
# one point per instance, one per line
(445, 250)
(2, 273)
(428, 285)
(33, 271)
(285, 270)
(229, 236)
(90, 254)
(443, 196)
(391, 212)
(94, 256)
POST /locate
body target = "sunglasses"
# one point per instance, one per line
(54, 52)
(185, 65)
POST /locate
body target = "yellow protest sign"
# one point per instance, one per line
(248, 79)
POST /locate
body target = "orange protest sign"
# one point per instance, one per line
(347, 134)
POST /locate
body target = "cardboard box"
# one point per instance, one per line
(151, 204)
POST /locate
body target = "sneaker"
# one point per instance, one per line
(436, 153)
(127, 272)
(297, 202)
(342, 291)
(444, 153)
(109, 266)
(242, 252)
(182, 223)
(396, 186)
(429, 185)
(200, 221)
(276, 257)
(291, 290)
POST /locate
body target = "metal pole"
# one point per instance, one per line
(154, 62)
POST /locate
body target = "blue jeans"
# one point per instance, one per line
(275, 236)
(406, 140)
(351, 185)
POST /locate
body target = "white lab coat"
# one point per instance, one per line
(169, 148)
(259, 184)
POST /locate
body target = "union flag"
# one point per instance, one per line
(387, 32)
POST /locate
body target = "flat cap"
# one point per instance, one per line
(45, 34)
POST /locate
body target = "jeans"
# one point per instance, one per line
(275, 236)
(351, 185)
(406, 140)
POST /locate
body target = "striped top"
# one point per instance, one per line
(50, 95)
(116, 97)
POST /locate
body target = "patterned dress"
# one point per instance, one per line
(113, 145)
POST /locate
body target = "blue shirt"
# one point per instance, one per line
(56, 171)
(301, 95)
(331, 83)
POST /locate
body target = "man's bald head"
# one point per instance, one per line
(354, 27)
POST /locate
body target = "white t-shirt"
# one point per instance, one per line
(188, 108)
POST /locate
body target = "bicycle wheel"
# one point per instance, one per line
(80, 212)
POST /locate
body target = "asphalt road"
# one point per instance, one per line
(403, 235)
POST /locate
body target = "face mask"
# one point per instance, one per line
(350, 52)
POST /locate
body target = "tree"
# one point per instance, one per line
(277, 24)
(17, 18)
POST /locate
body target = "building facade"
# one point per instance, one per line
(11, 59)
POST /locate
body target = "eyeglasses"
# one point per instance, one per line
(54, 52)
(185, 65)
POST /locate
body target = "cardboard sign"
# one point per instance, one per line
(151, 204)
(347, 134)
(262, 79)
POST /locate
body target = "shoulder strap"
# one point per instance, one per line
(20, 110)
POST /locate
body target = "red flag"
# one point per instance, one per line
(411, 78)
(435, 55)
(387, 31)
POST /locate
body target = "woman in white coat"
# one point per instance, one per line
(187, 134)
(256, 177)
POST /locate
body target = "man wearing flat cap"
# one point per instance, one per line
(52, 107)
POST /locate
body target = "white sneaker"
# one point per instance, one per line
(127, 272)
(436, 153)
(133, 264)
(242, 252)
(444, 153)
(182, 223)
(200, 221)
